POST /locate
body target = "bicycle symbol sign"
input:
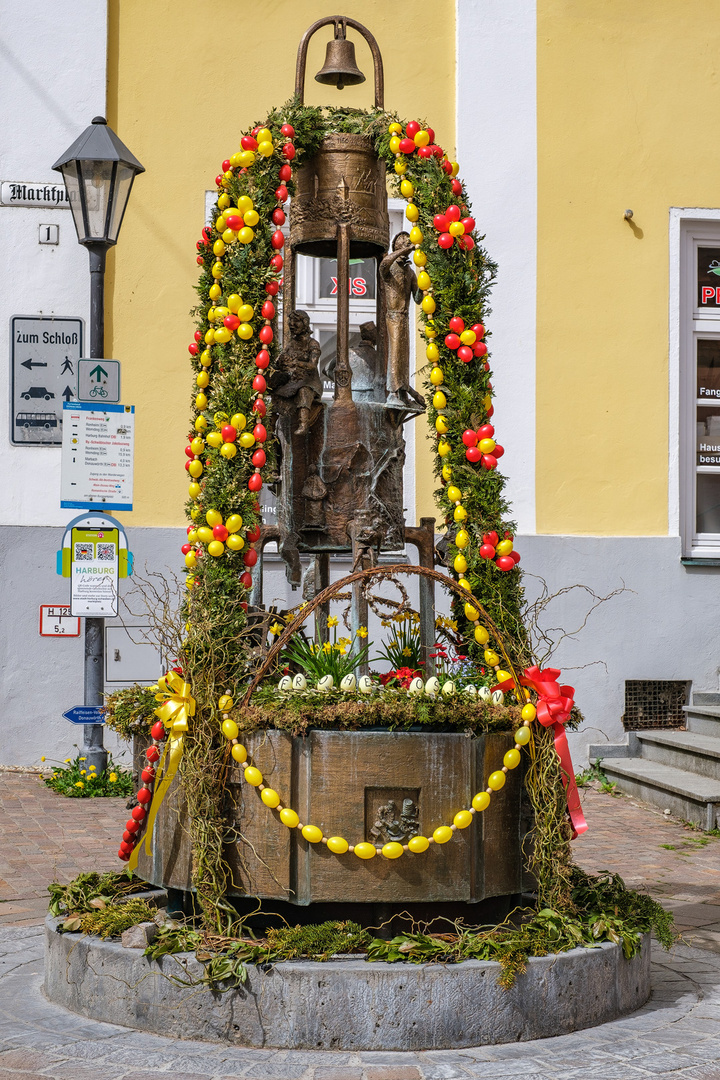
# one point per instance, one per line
(99, 380)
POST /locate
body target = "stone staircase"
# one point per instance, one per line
(673, 770)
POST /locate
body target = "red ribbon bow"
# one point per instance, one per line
(554, 706)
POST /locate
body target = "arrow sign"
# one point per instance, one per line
(85, 714)
(68, 393)
(98, 372)
(30, 364)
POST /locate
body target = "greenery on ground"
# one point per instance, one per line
(79, 894)
(111, 918)
(75, 779)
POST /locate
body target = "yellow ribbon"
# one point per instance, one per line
(178, 705)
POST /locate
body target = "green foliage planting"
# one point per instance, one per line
(74, 779)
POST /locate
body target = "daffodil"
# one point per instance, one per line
(327, 647)
(362, 631)
(276, 629)
(407, 652)
(333, 620)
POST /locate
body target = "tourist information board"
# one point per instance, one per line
(97, 456)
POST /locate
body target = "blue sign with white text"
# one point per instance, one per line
(86, 714)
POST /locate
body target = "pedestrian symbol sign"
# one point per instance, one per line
(98, 380)
(44, 355)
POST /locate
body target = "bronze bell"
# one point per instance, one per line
(340, 68)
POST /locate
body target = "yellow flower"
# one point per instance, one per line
(333, 620)
(407, 652)
(83, 772)
(327, 647)
(362, 631)
(42, 758)
(67, 761)
(112, 777)
(82, 759)
(384, 622)
(92, 768)
(276, 628)
(79, 784)
(343, 650)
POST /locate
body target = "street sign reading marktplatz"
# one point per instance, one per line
(44, 361)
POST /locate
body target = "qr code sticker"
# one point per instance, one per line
(83, 552)
(105, 553)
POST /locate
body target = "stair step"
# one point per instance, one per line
(706, 697)
(703, 719)
(688, 795)
(687, 750)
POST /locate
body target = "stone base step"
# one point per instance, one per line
(706, 697)
(703, 719)
(686, 750)
(687, 795)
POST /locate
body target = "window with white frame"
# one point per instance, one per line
(699, 427)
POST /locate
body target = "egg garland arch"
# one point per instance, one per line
(364, 849)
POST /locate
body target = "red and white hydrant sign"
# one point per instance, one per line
(56, 621)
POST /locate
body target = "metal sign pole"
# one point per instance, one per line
(94, 683)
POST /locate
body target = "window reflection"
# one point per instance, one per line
(708, 503)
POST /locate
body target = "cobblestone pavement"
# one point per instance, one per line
(676, 1035)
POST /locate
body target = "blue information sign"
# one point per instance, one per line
(85, 714)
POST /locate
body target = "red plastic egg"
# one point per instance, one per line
(235, 222)
(231, 321)
(189, 452)
(246, 580)
(272, 288)
(265, 334)
(498, 451)
(277, 262)
(289, 151)
(250, 557)
(478, 330)
(481, 349)
(147, 776)
(489, 462)
(466, 242)
(412, 129)
(452, 341)
(268, 310)
(229, 433)
(487, 551)
(277, 239)
(456, 186)
(186, 549)
(225, 165)
(491, 538)
(132, 826)
(453, 213)
(505, 562)
(259, 458)
(278, 216)
(259, 383)
(445, 241)
(425, 152)
(157, 731)
(248, 143)
(262, 359)
(253, 534)
(255, 482)
(260, 433)
(486, 431)
(281, 193)
(139, 814)
(515, 556)
(285, 173)
(220, 532)
(288, 131)
(441, 223)
(407, 146)
(465, 354)
(469, 437)
(473, 454)
(457, 324)
(469, 224)
(259, 407)
(127, 837)
(143, 795)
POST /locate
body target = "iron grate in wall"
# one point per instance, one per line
(655, 703)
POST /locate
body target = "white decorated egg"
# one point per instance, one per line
(470, 690)
(498, 697)
(365, 684)
(448, 688)
(484, 693)
(285, 683)
(416, 687)
(299, 682)
(326, 683)
(349, 682)
(432, 687)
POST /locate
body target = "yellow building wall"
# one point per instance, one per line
(627, 93)
(185, 80)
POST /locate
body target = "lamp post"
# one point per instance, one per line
(98, 170)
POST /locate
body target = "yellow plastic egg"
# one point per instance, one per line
(245, 331)
(460, 564)
(446, 472)
(395, 129)
(229, 729)
(265, 148)
(228, 450)
(206, 355)
(502, 676)
(416, 236)
(214, 439)
(216, 548)
(209, 337)
(418, 844)
(400, 169)
(233, 302)
(245, 312)
(419, 258)
(422, 138)
(213, 517)
(529, 711)
(337, 845)
(496, 780)
(214, 291)
(218, 248)
(394, 144)
(504, 547)
(486, 446)
(220, 221)
(192, 536)
(312, 834)
(464, 583)
(245, 203)
(197, 445)
(235, 542)
(195, 468)
(491, 658)
(459, 514)
(254, 776)
(223, 201)
(428, 304)
(289, 818)
(247, 439)
(481, 635)
(442, 834)
(225, 702)
(439, 400)
(481, 801)
(423, 280)
(453, 493)
(264, 135)
(444, 448)
(436, 376)
(202, 379)
(432, 352)
(365, 850)
(238, 421)
(234, 523)
(205, 535)
(251, 218)
(190, 560)
(523, 735)
(239, 753)
(228, 236)
(462, 819)
(200, 423)
(270, 797)
(471, 613)
(393, 850)
(217, 270)
(411, 212)
(441, 426)
(462, 538)
(468, 337)
(194, 491)
(246, 235)
(222, 335)
(512, 758)
(456, 228)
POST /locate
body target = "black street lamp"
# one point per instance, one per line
(98, 170)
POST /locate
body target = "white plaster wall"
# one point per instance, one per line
(53, 79)
(497, 151)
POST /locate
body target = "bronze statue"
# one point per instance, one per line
(364, 364)
(297, 380)
(399, 286)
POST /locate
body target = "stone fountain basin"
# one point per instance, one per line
(347, 1003)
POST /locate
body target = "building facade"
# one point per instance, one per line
(565, 116)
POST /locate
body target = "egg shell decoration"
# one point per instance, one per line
(448, 688)
(498, 697)
(349, 682)
(365, 684)
(484, 693)
(416, 687)
(471, 691)
(326, 683)
(285, 683)
(432, 687)
(299, 682)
